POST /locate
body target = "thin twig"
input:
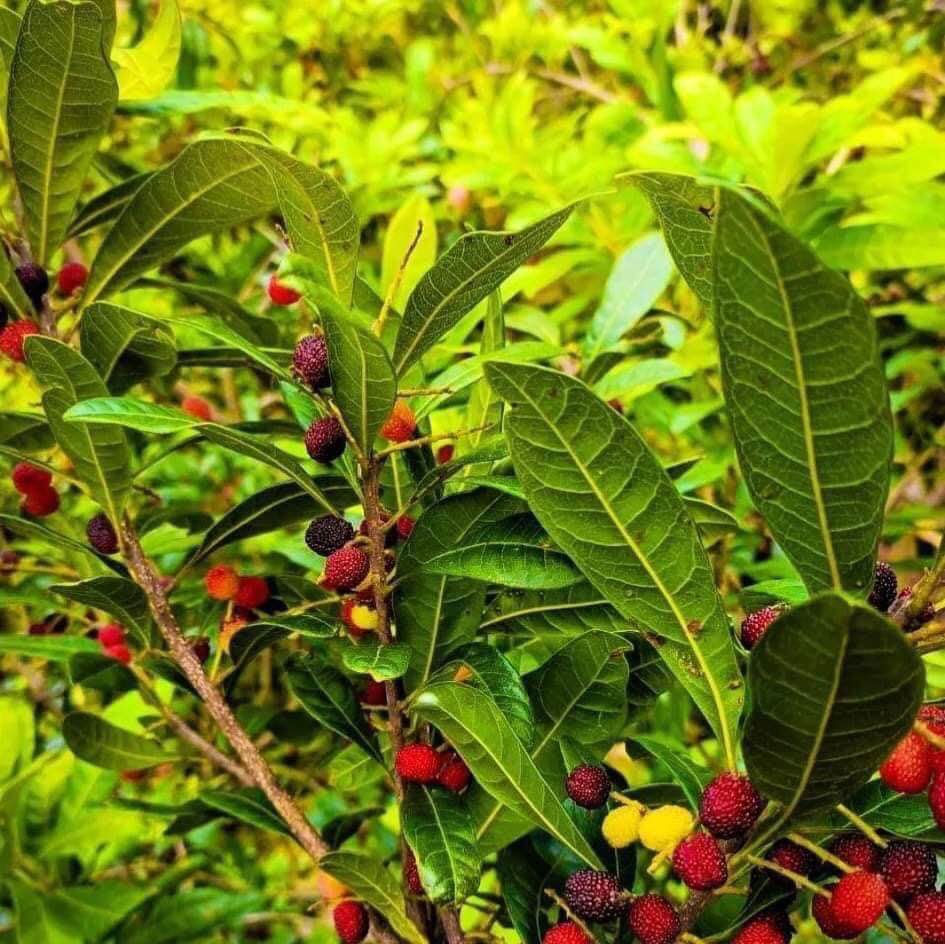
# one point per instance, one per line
(397, 279)
(428, 440)
(862, 825)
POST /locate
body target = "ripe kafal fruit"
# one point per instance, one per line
(664, 827)
(374, 694)
(251, 592)
(197, 407)
(412, 873)
(700, 862)
(453, 774)
(201, 649)
(346, 568)
(310, 362)
(328, 534)
(858, 851)
(401, 425)
(621, 827)
(756, 624)
(325, 440)
(71, 277)
(885, 586)
(653, 920)
(908, 768)
(351, 922)
(120, 652)
(12, 337)
(594, 896)
(789, 855)
(567, 932)
(730, 805)
(404, 527)
(821, 908)
(417, 763)
(111, 635)
(445, 453)
(101, 534)
(908, 868)
(34, 280)
(221, 582)
(40, 503)
(767, 928)
(280, 293)
(28, 478)
(937, 799)
(858, 899)
(589, 786)
(926, 914)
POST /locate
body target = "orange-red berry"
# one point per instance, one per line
(40, 502)
(221, 582)
(417, 763)
(401, 425)
(251, 592)
(12, 337)
(280, 293)
(71, 277)
(908, 768)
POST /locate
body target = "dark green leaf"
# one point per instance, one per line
(194, 914)
(25, 432)
(524, 876)
(249, 806)
(93, 910)
(101, 744)
(104, 207)
(56, 539)
(691, 777)
(252, 639)
(115, 595)
(379, 660)
(50, 648)
(100, 672)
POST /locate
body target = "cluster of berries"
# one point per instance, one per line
(112, 640)
(244, 593)
(70, 278)
(35, 485)
(421, 763)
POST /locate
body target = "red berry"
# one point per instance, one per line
(280, 293)
(926, 914)
(310, 362)
(374, 694)
(221, 582)
(101, 535)
(71, 277)
(346, 568)
(201, 649)
(197, 407)
(567, 932)
(908, 868)
(12, 337)
(412, 873)
(417, 763)
(328, 534)
(933, 717)
(445, 453)
(730, 805)
(858, 899)
(325, 440)
(401, 425)
(756, 624)
(857, 851)
(594, 896)
(937, 799)
(821, 909)
(770, 927)
(908, 768)
(351, 922)
(653, 920)
(41, 502)
(453, 774)
(119, 652)
(589, 786)
(251, 592)
(28, 478)
(111, 635)
(404, 527)
(884, 588)
(789, 855)
(700, 862)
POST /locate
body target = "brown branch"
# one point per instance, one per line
(213, 754)
(146, 577)
(449, 918)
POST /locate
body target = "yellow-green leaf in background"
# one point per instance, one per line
(145, 70)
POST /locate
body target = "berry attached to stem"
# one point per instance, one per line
(345, 569)
(101, 535)
(401, 425)
(351, 922)
(885, 587)
(417, 763)
(328, 534)
(325, 440)
(594, 896)
(280, 293)
(12, 337)
(653, 920)
(589, 786)
(700, 862)
(908, 768)
(310, 362)
(71, 277)
(221, 582)
(730, 805)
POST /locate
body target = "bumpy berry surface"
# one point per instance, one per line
(663, 827)
(412, 874)
(856, 850)
(885, 587)
(589, 786)
(653, 920)
(453, 774)
(12, 337)
(756, 624)
(121, 653)
(401, 425)
(417, 763)
(789, 855)
(937, 799)
(700, 862)
(374, 694)
(594, 896)
(328, 534)
(310, 362)
(71, 277)
(101, 534)
(221, 582)
(926, 914)
(111, 635)
(197, 407)
(279, 293)
(35, 281)
(730, 805)
(858, 900)
(768, 928)
(28, 478)
(821, 908)
(41, 502)
(252, 592)
(351, 922)
(346, 568)
(908, 868)
(621, 827)
(404, 527)
(566, 933)
(325, 440)
(908, 768)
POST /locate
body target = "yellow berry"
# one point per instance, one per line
(664, 827)
(622, 826)
(364, 617)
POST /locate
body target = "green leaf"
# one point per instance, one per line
(50, 648)
(373, 883)
(131, 413)
(145, 70)
(99, 453)
(12, 295)
(414, 224)
(117, 596)
(440, 832)
(362, 379)
(603, 497)
(902, 814)
(194, 914)
(330, 699)
(834, 687)
(806, 395)
(691, 777)
(56, 539)
(106, 206)
(25, 432)
(97, 742)
(249, 806)
(10, 22)
(524, 876)
(93, 910)
(639, 276)
(61, 98)
(98, 671)
(475, 726)
(34, 922)
(475, 265)
(379, 660)
(713, 522)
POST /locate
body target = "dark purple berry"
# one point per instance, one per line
(35, 282)
(101, 534)
(310, 362)
(885, 587)
(594, 896)
(325, 440)
(588, 786)
(328, 534)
